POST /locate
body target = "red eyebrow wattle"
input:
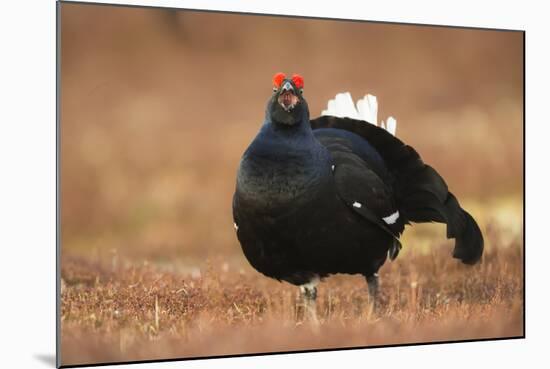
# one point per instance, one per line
(278, 79)
(298, 80)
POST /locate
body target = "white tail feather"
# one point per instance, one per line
(391, 125)
(368, 109)
(365, 109)
(344, 105)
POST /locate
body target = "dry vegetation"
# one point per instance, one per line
(151, 135)
(113, 311)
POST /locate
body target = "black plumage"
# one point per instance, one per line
(333, 195)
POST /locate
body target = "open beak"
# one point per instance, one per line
(287, 97)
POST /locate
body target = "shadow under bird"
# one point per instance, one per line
(333, 194)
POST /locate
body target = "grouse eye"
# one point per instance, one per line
(275, 89)
(301, 91)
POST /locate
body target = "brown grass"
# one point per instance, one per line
(138, 312)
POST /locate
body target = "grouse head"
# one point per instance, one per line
(287, 105)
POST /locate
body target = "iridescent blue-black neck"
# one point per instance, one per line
(284, 162)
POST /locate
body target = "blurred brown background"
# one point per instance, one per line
(157, 107)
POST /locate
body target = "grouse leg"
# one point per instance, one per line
(372, 284)
(309, 296)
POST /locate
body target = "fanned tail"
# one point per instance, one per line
(426, 199)
(420, 192)
(469, 240)
(366, 109)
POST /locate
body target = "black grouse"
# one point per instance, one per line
(333, 195)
